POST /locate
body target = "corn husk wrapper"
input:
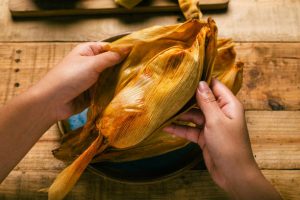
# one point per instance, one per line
(133, 101)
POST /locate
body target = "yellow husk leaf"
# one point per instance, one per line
(190, 9)
(69, 176)
(225, 68)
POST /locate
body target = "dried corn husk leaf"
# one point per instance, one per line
(190, 9)
(157, 143)
(69, 176)
(225, 68)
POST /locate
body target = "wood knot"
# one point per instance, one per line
(275, 105)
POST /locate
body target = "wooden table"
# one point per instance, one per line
(267, 33)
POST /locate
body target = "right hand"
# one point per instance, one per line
(222, 135)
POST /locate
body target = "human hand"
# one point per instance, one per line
(67, 84)
(222, 135)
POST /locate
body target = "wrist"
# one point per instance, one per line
(41, 99)
(246, 183)
(239, 174)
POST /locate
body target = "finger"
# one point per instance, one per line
(194, 115)
(229, 104)
(90, 48)
(105, 60)
(207, 102)
(98, 48)
(190, 133)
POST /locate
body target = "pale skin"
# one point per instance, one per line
(223, 136)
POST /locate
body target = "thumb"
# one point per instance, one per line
(207, 102)
(228, 103)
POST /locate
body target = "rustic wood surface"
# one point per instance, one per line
(269, 43)
(21, 8)
(245, 20)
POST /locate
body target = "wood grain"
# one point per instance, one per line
(29, 8)
(245, 20)
(271, 78)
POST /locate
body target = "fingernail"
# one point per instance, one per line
(203, 87)
(205, 93)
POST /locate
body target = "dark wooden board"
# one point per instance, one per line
(37, 8)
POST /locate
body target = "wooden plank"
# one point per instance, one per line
(271, 78)
(191, 185)
(245, 20)
(275, 138)
(30, 8)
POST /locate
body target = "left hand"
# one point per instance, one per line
(66, 85)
